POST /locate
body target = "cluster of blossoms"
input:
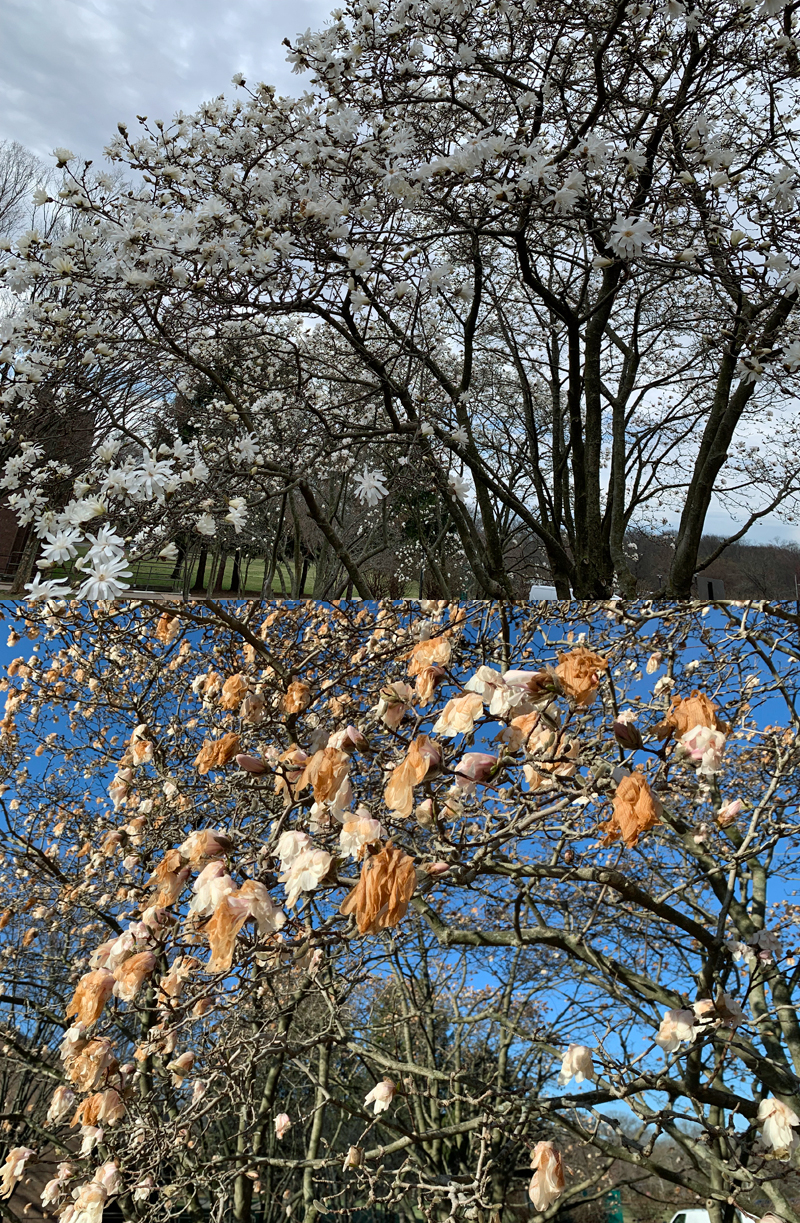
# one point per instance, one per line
(342, 812)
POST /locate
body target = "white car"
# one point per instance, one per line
(694, 1214)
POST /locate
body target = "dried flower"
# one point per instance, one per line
(380, 898)
(436, 651)
(685, 713)
(459, 714)
(233, 691)
(217, 752)
(91, 994)
(579, 674)
(14, 1168)
(547, 1182)
(636, 810)
(297, 697)
(353, 1158)
(325, 772)
(423, 759)
(131, 975)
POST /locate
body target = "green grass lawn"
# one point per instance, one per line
(157, 575)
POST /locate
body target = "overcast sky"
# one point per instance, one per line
(70, 70)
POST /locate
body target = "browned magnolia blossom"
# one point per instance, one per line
(168, 628)
(380, 898)
(297, 697)
(217, 752)
(291, 766)
(104, 1107)
(91, 994)
(423, 760)
(233, 691)
(579, 674)
(427, 682)
(132, 973)
(92, 1064)
(325, 771)
(687, 712)
(435, 651)
(170, 875)
(636, 810)
(221, 931)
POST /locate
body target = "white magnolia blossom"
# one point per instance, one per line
(459, 486)
(371, 487)
(577, 1063)
(778, 1122)
(630, 235)
(102, 580)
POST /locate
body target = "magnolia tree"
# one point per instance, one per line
(543, 257)
(452, 912)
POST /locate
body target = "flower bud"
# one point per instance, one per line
(628, 735)
(353, 1158)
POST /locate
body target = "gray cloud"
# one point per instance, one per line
(72, 69)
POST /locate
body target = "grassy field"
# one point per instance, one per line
(156, 575)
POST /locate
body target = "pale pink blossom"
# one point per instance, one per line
(476, 768)
(676, 1026)
(381, 1096)
(61, 1103)
(108, 1176)
(357, 833)
(14, 1168)
(282, 1124)
(205, 843)
(704, 747)
(728, 813)
(180, 1066)
(290, 846)
(547, 1182)
(209, 887)
(89, 1203)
